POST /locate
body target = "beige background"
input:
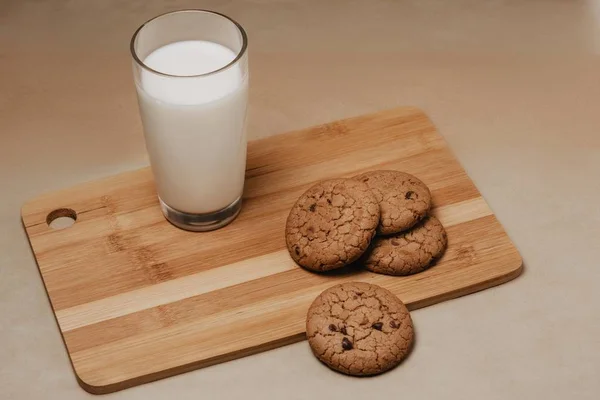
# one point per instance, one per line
(513, 85)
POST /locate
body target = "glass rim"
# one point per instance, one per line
(239, 55)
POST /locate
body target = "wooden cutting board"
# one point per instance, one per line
(137, 299)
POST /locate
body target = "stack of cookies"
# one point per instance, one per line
(380, 220)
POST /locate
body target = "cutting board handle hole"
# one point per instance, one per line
(61, 218)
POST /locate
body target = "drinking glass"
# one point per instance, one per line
(191, 75)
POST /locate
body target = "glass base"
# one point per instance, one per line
(202, 222)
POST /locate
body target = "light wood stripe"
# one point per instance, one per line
(174, 290)
(225, 276)
(464, 211)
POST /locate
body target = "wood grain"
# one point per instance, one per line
(137, 299)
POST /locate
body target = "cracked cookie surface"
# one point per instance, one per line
(332, 224)
(408, 252)
(359, 329)
(403, 199)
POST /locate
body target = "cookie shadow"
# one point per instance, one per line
(354, 269)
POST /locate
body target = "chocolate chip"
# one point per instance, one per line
(409, 194)
(343, 330)
(328, 201)
(395, 243)
(312, 207)
(359, 293)
(394, 324)
(332, 328)
(297, 250)
(346, 344)
(377, 325)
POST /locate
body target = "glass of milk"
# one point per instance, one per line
(191, 74)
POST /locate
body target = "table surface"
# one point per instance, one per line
(512, 85)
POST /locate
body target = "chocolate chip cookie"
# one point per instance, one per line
(408, 252)
(403, 199)
(332, 224)
(359, 329)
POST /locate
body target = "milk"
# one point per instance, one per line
(195, 125)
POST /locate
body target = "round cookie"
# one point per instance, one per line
(408, 252)
(359, 329)
(332, 224)
(404, 200)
